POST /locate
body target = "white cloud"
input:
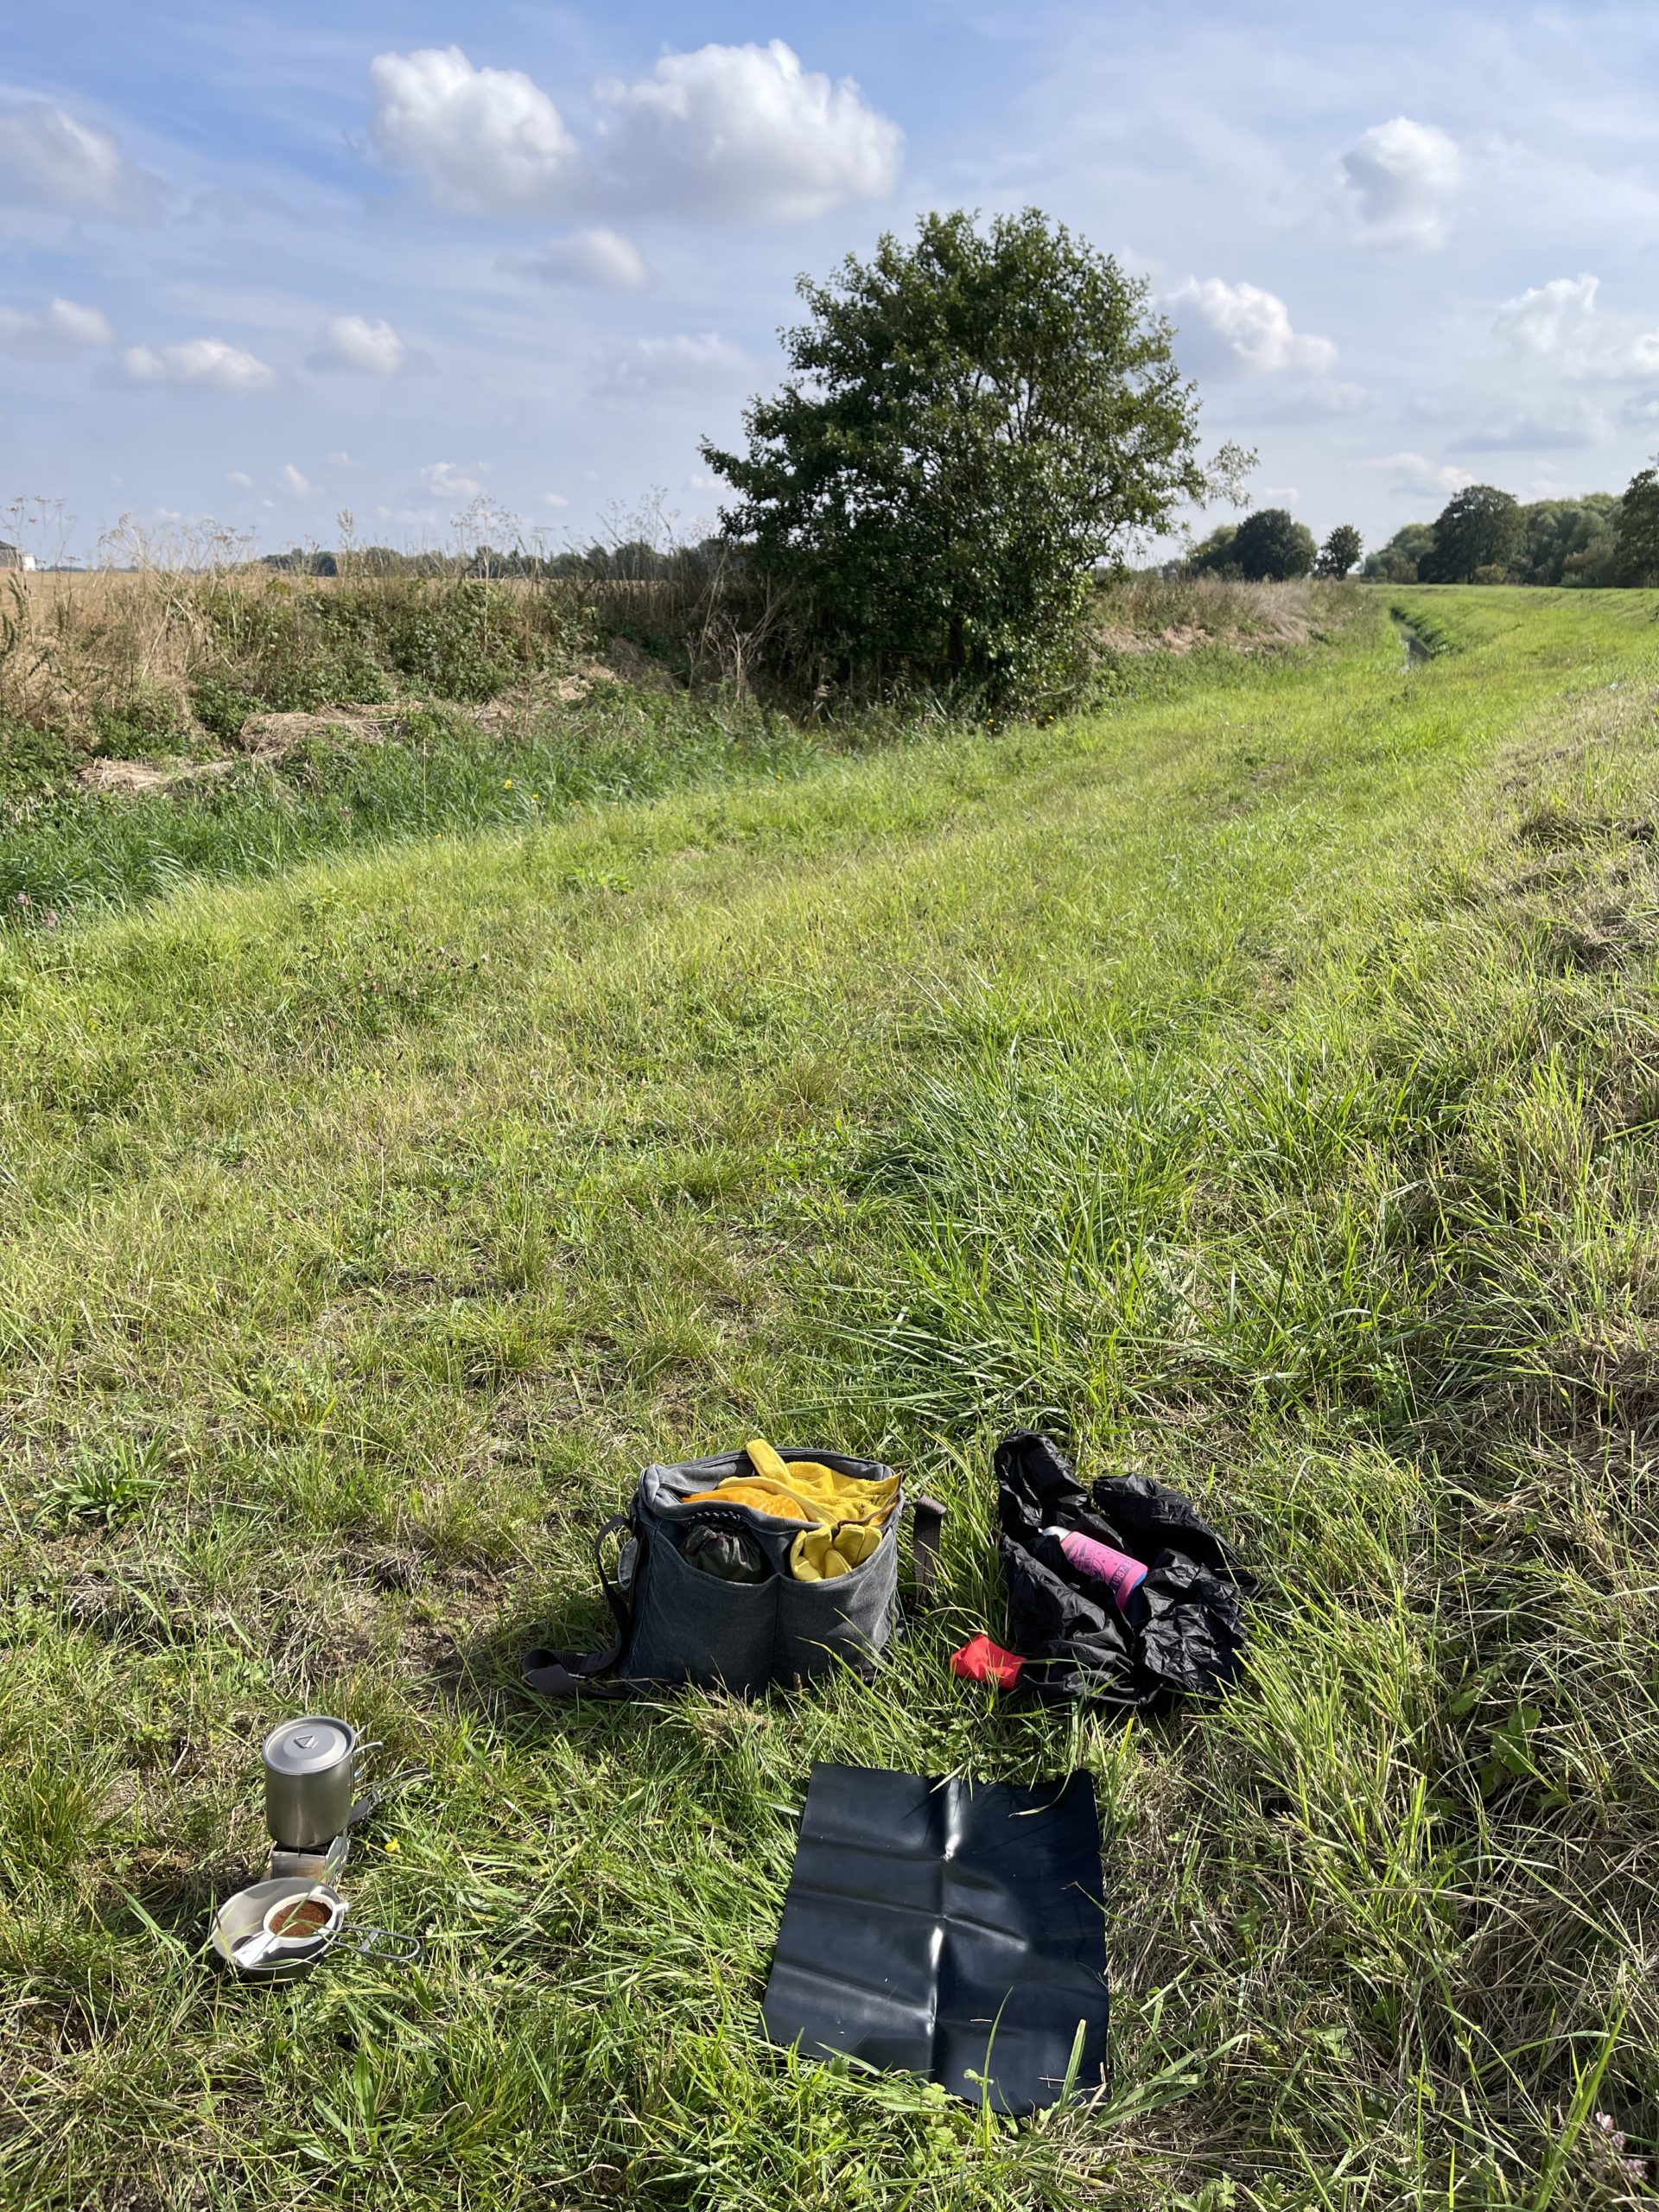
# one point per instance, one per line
(456, 480)
(48, 160)
(1276, 495)
(199, 361)
(1404, 177)
(1415, 472)
(683, 367)
(79, 326)
(240, 478)
(1254, 328)
(1560, 328)
(1549, 318)
(56, 329)
(599, 258)
(300, 485)
(483, 139)
(745, 130)
(742, 131)
(1562, 426)
(351, 341)
(553, 499)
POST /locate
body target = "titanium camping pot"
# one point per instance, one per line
(312, 1770)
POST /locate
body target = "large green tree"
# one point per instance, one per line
(1569, 541)
(1479, 527)
(1638, 529)
(1340, 551)
(1272, 546)
(970, 423)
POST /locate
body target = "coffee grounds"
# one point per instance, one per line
(303, 1917)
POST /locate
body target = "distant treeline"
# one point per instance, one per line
(1482, 536)
(636, 561)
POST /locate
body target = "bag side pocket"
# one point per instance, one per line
(692, 1627)
(844, 1622)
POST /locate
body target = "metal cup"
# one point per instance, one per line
(313, 1767)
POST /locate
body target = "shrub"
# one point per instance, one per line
(972, 423)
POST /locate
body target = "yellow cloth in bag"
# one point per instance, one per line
(848, 1512)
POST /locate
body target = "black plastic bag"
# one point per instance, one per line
(1182, 1634)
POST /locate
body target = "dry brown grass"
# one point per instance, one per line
(159, 655)
(72, 645)
(1146, 615)
(159, 650)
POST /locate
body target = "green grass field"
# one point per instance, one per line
(1256, 1084)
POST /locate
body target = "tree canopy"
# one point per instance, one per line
(1340, 552)
(1479, 527)
(971, 422)
(1271, 545)
(1396, 561)
(1213, 556)
(1567, 541)
(1638, 548)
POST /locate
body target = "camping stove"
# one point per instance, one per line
(279, 1929)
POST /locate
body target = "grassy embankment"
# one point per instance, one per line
(157, 726)
(1257, 1084)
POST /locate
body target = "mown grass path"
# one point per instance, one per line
(1255, 1085)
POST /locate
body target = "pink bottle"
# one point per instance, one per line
(1121, 1574)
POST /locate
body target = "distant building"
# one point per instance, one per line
(11, 558)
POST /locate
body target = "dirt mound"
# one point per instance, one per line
(624, 662)
(269, 737)
(272, 737)
(134, 779)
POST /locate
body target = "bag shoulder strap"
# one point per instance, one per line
(926, 1526)
(571, 1674)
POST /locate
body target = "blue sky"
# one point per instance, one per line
(262, 264)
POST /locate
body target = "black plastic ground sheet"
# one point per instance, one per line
(954, 1930)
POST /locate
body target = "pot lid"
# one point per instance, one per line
(310, 1745)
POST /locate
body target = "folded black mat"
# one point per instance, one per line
(947, 1927)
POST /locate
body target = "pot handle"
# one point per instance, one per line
(373, 1800)
(381, 1943)
(360, 1752)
